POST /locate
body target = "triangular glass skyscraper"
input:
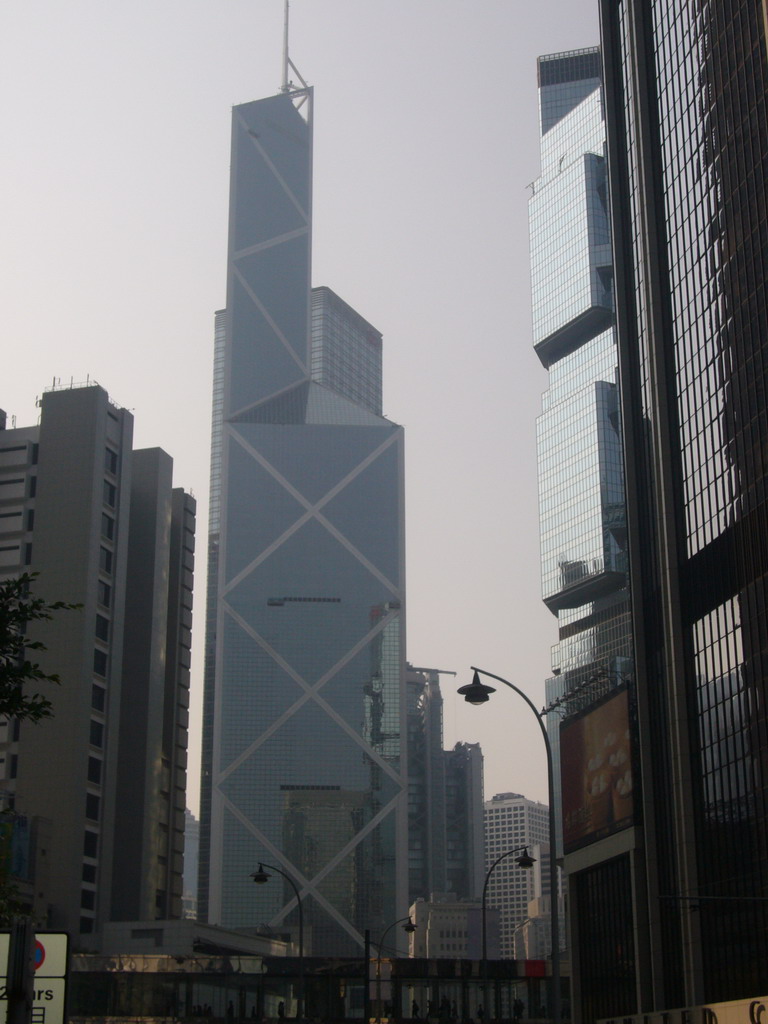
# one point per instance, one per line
(304, 709)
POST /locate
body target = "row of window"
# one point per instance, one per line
(90, 851)
(100, 669)
(98, 695)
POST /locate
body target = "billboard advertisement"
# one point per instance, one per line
(596, 771)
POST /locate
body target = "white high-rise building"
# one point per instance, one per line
(513, 822)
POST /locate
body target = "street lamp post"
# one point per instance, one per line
(479, 693)
(408, 926)
(523, 861)
(260, 877)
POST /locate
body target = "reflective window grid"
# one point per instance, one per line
(304, 659)
(709, 83)
(581, 482)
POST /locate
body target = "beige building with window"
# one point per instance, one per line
(96, 794)
(451, 928)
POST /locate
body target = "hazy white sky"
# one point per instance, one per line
(114, 163)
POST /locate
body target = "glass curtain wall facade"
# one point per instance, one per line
(688, 154)
(303, 765)
(464, 820)
(346, 351)
(426, 786)
(582, 513)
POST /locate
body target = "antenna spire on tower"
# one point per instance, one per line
(284, 87)
(288, 65)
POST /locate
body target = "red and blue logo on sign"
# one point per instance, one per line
(39, 954)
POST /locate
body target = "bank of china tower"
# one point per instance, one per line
(302, 761)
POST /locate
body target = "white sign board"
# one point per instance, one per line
(49, 985)
(740, 1011)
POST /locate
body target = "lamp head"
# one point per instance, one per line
(525, 860)
(260, 876)
(476, 692)
(409, 926)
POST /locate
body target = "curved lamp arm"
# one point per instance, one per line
(260, 877)
(520, 693)
(530, 861)
(408, 926)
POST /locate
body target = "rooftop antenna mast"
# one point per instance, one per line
(288, 65)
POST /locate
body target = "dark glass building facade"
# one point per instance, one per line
(685, 84)
(305, 674)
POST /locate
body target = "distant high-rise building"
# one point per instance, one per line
(581, 482)
(191, 849)
(679, 915)
(304, 717)
(426, 785)
(100, 786)
(464, 825)
(511, 823)
(451, 929)
(445, 799)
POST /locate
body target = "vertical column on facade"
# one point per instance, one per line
(643, 307)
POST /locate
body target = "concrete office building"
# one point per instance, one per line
(304, 716)
(513, 822)
(677, 915)
(448, 928)
(532, 939)
(99, 789)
